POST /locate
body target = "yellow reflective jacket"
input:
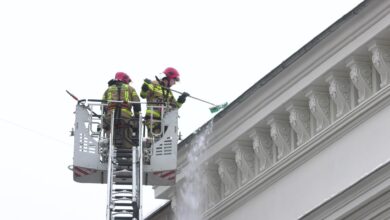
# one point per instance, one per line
(158, 96)
(120, 91)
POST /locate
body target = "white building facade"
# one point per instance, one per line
(310, 140)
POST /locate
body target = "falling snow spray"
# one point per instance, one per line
(191, 190)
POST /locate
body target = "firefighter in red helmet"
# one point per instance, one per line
(158, 93)
(126, 110)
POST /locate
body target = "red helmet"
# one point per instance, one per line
(172, 73)
(123, 77)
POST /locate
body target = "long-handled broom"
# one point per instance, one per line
(213, 109)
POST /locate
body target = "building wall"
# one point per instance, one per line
(339, 166)
(310, 130)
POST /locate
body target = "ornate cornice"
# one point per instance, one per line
(308, 150)
(300, 120)
(263, 148)
(285, 142)
(227, 170)
(319, 105)
(280, 134)
(361, 76)
(380, 51)
(339, 90)
(245, 160)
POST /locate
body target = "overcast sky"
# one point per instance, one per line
(220, 48)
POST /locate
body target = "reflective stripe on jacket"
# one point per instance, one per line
(121, 92)
(158, 96)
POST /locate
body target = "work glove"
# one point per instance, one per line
(145, 86)
(182, 97)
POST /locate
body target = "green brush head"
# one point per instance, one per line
(218, 107)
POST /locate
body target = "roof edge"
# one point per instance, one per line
(285, 64)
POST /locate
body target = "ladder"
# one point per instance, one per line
(123, 177)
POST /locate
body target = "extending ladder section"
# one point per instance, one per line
(123, 182)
